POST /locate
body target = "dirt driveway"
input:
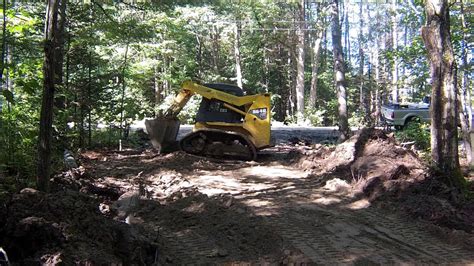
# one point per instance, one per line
(273, 212)
(299, 204)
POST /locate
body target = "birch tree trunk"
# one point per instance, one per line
(52, 71)
(395, 96)
(300, 62)
(339, 76)
(291, 100)
(444, 138)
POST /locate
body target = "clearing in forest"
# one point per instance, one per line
(299, 203)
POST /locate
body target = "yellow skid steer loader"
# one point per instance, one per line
(228, 123)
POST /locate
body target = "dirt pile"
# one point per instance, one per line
(67, 227)
(371, 161)
(374, 166)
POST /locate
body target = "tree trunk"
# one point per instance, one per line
(281, 111)
(300, 63)
(89, 105)
(89, 85)
(291, 100)
(444, 139)
(466, 114)
(266, 66)
(339, 76)
(4, 46)
(377, 99)
(362, 96)
(199, 57)
(124, 86)
(313, 93)
(55, 16)
(215, 36)
(347, 42)
(395, 96)
(324, 56)
(238, 67)
(69, 141)
(157, 89)
(82, 112)
(4, 39)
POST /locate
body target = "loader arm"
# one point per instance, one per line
(210, 93)
(178, 104)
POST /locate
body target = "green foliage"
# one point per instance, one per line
(417, 132)
(18, 141)
(315, 116)
(356, 120)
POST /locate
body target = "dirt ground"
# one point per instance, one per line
(366, 201)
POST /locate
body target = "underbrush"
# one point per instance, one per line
(415, 132)
(113, 138)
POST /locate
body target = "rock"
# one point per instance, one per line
(104, 208)
(229, 202)
(29, 190)
(69, 160)
(336, 185)
(218, 252)
(126, 203)
(52, 259)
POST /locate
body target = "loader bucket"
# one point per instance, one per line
(162, 132)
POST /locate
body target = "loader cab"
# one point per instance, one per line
(214, 111)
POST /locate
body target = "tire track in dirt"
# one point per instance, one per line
(189, 247)
(365, 237)
(334, 234)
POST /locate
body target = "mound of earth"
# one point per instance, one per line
(374, 166)
(68, 227)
